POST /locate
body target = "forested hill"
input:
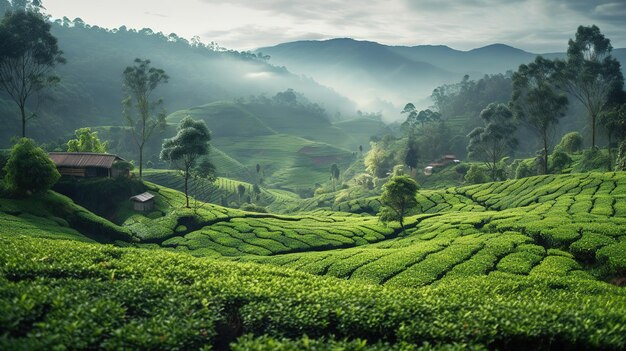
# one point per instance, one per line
(90, 92)
(397, 74)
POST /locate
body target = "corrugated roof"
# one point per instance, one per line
(142, 197)
(83, 159)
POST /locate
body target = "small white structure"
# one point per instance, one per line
(143, 202)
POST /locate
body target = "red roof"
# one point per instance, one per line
(83, 159)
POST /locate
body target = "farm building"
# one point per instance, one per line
(143, 202)
(87, 164)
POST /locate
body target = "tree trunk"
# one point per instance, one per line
(593, 130)
(141, 161)
(186, 189)
(23, 112)
(545, 154)
(402, 224)
(610, 158)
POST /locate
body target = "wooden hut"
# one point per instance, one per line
(143, 202)
(87, 164)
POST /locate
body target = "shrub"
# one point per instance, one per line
(559, 160)
(476, 175)
(571, 142)
(29, 169)
(254, 208)
(593, 159)
(621, 157)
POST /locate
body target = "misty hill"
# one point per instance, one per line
(294, 143)
(90, 92)
(369, 72)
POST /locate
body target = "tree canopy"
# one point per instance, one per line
(590, 73)
(28, 54)
(495, 140)
(398, 198)
(139, 83)
(184, 149)
(29, 169)
(537, 101)
(87, 141)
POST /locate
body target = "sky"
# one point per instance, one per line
(538, 26)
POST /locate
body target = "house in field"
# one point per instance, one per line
(88, 164)
(143, 202)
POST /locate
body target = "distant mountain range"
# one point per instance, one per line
(382, 77)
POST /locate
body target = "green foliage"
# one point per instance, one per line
(590, 73)
(127, 298)
(536, 100)
(525, 170)
(620, 164)
(476, 175)
(495, 140)
(398, 198)
(593, 159)
(559, 160)
(139, 81)
(29, 169)
(571, 142)
(28, 56)
(87, 141)
(184, 149)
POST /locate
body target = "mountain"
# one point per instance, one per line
(90, 92)
(385, 77)
(367, 72)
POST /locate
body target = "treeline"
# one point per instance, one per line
(519, 114)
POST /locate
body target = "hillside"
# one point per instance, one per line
(294, 145)
(515, 264)
(374, 74)
(90, 92)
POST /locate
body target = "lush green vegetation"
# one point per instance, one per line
(111, 297)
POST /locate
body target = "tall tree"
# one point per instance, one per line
(334, 174)
(590, 73)
(398, 198)
(411, 157)
(495, 140)
(614, 122)
(536, 100)
(422, 117)
(28, 54)
(139, 83)
(183, 150)
(86, 141)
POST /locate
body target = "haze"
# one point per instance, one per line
(533, 25)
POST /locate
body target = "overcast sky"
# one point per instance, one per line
(534, 25)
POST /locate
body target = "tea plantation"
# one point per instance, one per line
(522, 264)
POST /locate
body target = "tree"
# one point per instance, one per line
(398, 198)
(536, 101)
(475, 175)
(614, 122)
(414, 118)
(28, 54)
(412, 152)
(256, 190)
(183, 150)
(139, 82)
(241, 191)
(29, 169)
(590, 73)
(334, 174)
(86, 141)
(495, 140)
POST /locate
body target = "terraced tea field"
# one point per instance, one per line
(569, 225)
(516, 264)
